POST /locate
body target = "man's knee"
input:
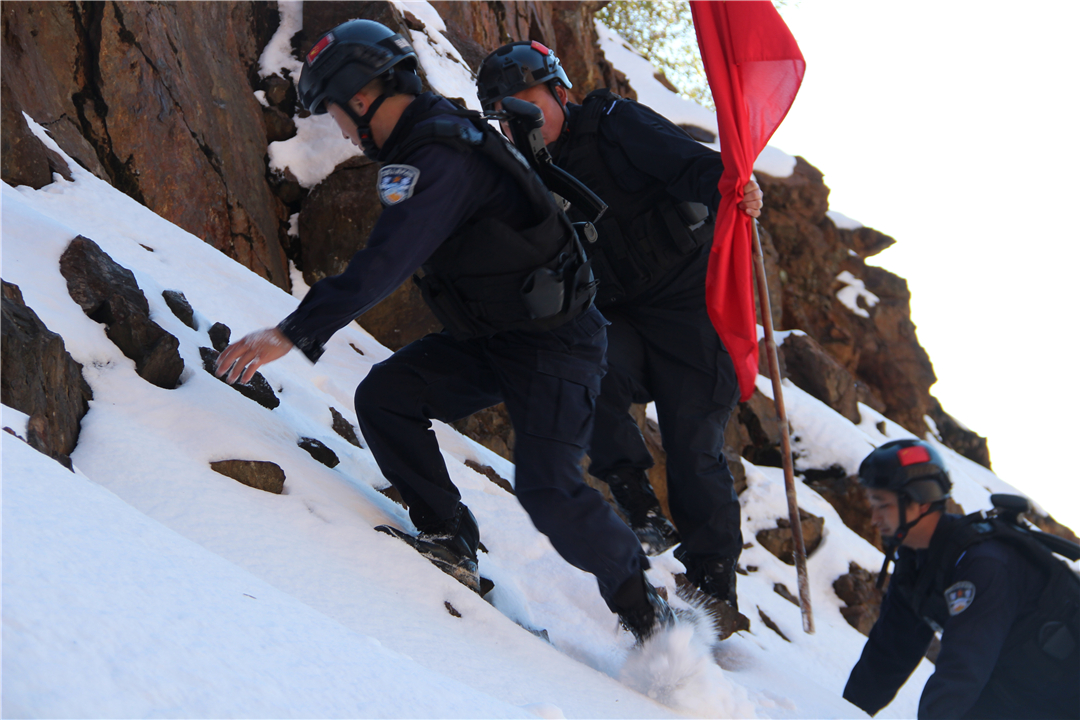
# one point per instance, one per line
(553, 510)
(384, 387)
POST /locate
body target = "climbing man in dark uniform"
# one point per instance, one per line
(1007, 609)
(463, 206)
(650, 258)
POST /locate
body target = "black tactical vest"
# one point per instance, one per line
(644, 232)
(488, 277)
(1041, 646)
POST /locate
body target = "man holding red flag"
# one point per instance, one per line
(755, 68)
(651, 258)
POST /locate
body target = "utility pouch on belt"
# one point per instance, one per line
(693, 214)
(544, 293)
(563, 290)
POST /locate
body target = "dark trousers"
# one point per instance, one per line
(662, 347)
(549, 382)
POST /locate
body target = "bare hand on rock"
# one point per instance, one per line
(251, 352)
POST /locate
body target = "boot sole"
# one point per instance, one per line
(462, 570)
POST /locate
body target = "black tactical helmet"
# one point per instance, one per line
(907, 467)
(347, 58)
(515, 67)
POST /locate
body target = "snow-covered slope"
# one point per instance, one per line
(146, 585)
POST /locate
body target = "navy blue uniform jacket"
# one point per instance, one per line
(1007, 587)
(641, 146)
(453, 187)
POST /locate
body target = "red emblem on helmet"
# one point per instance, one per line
(319, 47)
(913, 455)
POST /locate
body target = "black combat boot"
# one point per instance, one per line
(450, 545)
(710, 581)
(640, 608)
(714, 576)
(636, 500)
(460, 534)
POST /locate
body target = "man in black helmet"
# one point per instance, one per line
(651, 258)
(1005, 607)
(462, 206)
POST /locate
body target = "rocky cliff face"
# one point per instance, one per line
(159, 100)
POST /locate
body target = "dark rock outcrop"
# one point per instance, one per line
(489, 472)
(279, 126)
(109, 294)
(180, 307)
(813, 370)
(758, 431)
(847, 497)
(256, 389)
(771, 624)
(258, 474)
(344, 428)
(779, 540)
(858, 589)
(954, 434)
(46, 64)
(318, 450)
(24, 159)
(39, 377)
(219, 334)
(782, 590)
(491, 428)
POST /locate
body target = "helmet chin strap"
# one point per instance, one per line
(895, 540)
(363, 124)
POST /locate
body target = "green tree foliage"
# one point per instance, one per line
(663, 31)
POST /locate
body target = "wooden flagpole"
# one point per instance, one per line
(785, 438)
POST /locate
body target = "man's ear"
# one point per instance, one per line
(561, 93)
(359, 102)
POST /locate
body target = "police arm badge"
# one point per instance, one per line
(959, 596)
(397, 183)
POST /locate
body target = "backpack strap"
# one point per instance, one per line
(595, 105)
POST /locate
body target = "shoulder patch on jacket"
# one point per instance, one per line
(397, 183)
(959, 596)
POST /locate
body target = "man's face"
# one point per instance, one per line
(540, 95)
(344, 123)
(884, 511)
(360, 103)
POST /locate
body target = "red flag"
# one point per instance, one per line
(754, 68)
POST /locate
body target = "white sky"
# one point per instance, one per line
(952, 127)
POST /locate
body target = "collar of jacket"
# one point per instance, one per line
(422, 104)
